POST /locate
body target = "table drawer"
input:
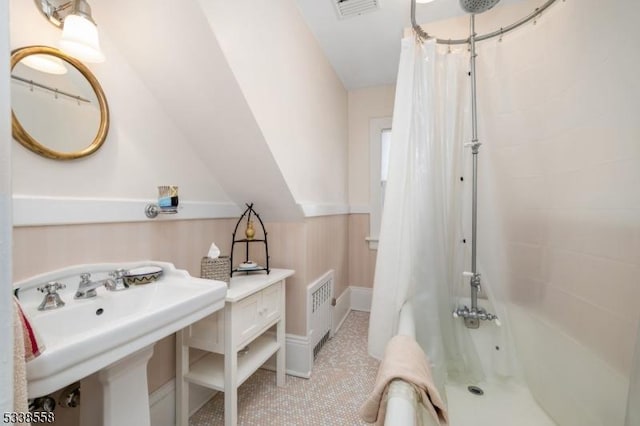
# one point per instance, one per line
(252, 314)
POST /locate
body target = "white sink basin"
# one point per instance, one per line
(87, 335)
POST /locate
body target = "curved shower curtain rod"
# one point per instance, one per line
(424, 35)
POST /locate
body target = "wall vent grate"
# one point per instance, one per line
(350, 8)
(319, 309)
(320, 344)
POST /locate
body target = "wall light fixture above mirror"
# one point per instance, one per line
(79, 31)
(57, 115)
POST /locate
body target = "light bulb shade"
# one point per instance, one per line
(45, 63)
(80, 39)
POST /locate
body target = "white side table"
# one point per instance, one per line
(236, 341)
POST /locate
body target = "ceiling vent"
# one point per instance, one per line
(351, 8)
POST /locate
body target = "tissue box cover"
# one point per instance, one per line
(216, 269)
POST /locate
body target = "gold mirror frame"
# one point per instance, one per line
(22, 136)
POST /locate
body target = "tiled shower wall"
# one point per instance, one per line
(561, 148)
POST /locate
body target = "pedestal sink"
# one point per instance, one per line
(106, 341)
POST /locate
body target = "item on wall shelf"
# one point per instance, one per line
(248, 265)
(167, 196)
(167, 202)
(216, 268)
(250, 231)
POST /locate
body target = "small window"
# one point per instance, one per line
(380, 144)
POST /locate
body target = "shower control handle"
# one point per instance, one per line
(474, 315)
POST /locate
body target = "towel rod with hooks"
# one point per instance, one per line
(51, 89)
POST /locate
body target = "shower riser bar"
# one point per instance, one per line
(474, 281)
(472, 316)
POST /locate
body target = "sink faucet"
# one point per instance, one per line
(87, 288)
(51, 299)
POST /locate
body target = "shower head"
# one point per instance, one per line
(477, 6)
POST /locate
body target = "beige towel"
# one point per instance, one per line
(20, 398)
(404, 359)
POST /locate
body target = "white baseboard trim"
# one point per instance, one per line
(299, 359)
(341, 310)
(162, 402)
(40, 210)
(361, 298)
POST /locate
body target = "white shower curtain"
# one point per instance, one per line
(420, 253)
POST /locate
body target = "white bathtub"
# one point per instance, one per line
(402, 401)
(504, 403)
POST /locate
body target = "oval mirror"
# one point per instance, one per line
(58, 107)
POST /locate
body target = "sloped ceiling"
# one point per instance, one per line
(178, 57)
(294, 94)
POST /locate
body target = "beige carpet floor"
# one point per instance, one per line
(342, 377)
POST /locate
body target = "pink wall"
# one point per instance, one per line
(364, 105)
(362, 259)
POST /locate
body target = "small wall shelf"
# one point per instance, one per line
(247, 241)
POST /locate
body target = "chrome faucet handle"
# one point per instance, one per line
(118, 273)
(118, 283)
(51, 287)
(85, 278)
(51, 299)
